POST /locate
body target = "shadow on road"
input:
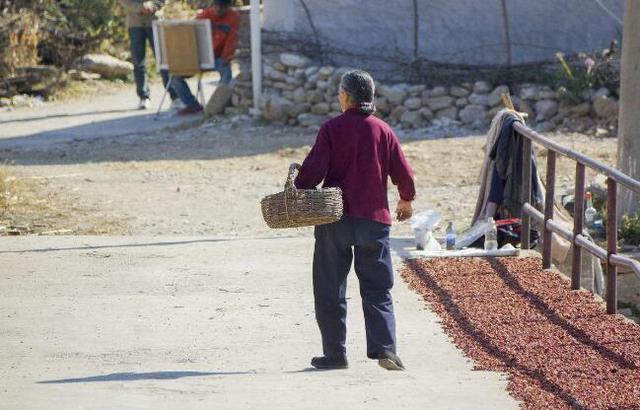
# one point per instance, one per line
(147, 244)
(130, 376)
(67, 115)
(105, 131)
(140, 137)
(305, 370)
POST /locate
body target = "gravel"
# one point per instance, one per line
(559, 347)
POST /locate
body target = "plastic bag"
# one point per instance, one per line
(472, 234)
(423, 225)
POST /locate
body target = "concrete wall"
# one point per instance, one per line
(279, 15)
(460, 31)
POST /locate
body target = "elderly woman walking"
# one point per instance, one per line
(357, 152)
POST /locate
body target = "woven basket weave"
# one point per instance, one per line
(294, 208)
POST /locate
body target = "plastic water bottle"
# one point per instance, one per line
(589, 212)
(451, 236)
(491, 236)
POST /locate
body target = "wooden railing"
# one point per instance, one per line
(578, 240)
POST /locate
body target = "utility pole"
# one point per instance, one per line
(256, 53)
(628, 118)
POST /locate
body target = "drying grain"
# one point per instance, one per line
(559, 347)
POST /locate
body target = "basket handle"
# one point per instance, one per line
(289, 185)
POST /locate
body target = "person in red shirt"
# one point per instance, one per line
(225, 23)
(358, 153)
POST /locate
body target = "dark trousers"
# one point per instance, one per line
(181, 88)
(138, 38)
(367, 244)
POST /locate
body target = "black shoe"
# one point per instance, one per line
(390, 361)
(329, 363)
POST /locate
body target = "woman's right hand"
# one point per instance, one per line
(404, 210)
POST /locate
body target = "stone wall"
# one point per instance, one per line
(297, 92)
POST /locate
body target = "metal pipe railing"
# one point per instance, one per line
(597, 166)
(557, 228)
(579, 241)
(584, 243)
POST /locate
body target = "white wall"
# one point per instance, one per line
(279, 15)
(460, 31)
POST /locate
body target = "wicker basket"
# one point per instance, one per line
(293, 208)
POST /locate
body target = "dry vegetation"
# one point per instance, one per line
(5, 192)
(19, 41)
(28, 206)
(88, 89)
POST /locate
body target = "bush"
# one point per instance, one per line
(630, 229)
(584, 72)
(55, 32)
(76, 27)
(573, 80)
(19, 41)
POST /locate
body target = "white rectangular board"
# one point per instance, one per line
(203, 34)
(465, 253)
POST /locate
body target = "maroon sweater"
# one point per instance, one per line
(357, 152)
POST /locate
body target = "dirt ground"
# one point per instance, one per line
(209, 179)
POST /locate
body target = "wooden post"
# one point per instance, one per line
(628, 160)
(612, 246)
(548, 207)
(256, 53)
(506, 101)
(525, 234)
(578, 225)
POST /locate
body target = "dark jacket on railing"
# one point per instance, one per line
(506, 184)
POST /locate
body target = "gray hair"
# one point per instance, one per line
(361, 89)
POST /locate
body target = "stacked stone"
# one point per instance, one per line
(296, 92)
(242, 96)
(299, 93)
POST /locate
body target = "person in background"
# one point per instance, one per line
(140, 16)
(225, 23)
(358, 153)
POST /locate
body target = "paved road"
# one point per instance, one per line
(99, 116)
(190, 323)
(131, 322)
